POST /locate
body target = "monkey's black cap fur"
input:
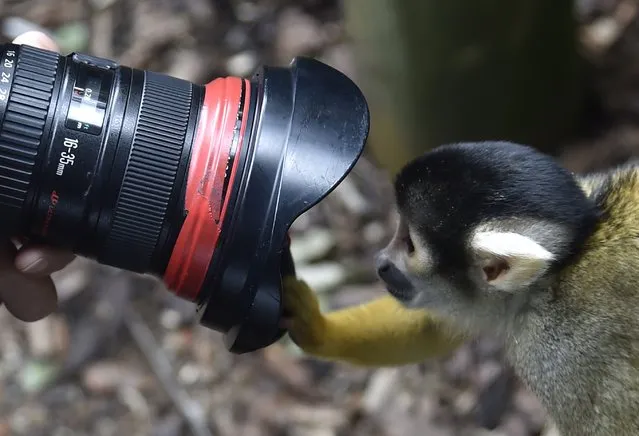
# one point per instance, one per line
(446, 192)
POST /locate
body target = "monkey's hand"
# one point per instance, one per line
(307, 326)
(379, 333)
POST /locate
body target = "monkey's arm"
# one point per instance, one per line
(378, 333)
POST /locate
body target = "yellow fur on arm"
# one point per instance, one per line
(378, 333)
(383, 333)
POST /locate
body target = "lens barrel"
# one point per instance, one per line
(93, 155)
(197, 184)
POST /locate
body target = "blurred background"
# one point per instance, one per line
(123, 356)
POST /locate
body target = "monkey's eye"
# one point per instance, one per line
(410, 247)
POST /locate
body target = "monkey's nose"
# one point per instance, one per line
(383, 265)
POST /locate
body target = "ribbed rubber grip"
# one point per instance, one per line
(151, 170)
(22, 127)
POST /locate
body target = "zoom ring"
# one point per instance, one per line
(151, 171)
(23, 126)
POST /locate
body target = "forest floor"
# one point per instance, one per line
(123, 356)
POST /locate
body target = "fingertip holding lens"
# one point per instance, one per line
(32, 263)
(38, 39)
(42, 260)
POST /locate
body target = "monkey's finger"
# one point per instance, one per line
(27, 297)
(37, 39)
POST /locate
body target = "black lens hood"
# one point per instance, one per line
(311, 123)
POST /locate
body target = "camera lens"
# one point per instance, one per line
(196, 184)
(93, 156)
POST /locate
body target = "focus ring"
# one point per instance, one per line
(23, 126)
(150, 174)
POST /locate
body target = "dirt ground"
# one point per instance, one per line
(123, 356)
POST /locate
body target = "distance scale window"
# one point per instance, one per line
(89, 100)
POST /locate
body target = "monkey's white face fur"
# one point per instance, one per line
(483, 229)
(503, 260)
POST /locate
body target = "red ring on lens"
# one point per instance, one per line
(208, 174)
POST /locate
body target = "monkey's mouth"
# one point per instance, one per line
(403, 294)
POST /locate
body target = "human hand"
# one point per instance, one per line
(26, 288)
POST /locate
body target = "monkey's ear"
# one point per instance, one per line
(509, 260)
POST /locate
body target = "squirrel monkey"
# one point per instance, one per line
(497, 238)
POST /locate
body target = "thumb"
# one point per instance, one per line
(27, 297)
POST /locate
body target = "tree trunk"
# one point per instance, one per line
(436, 72)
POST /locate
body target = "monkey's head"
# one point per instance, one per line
(481, 223)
